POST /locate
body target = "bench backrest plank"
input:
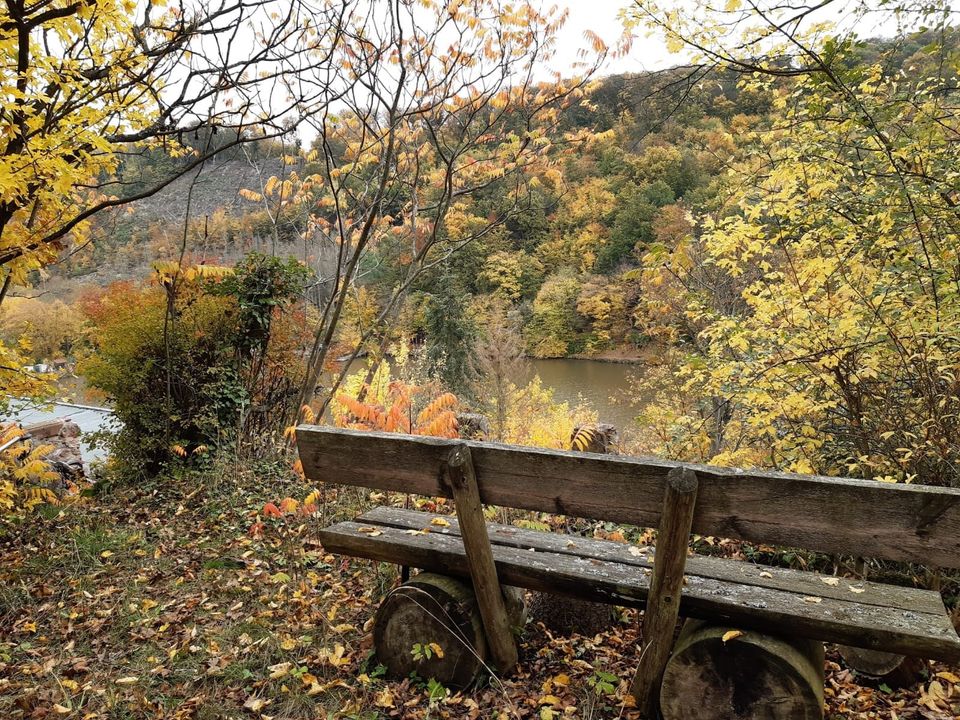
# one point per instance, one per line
(859, 517)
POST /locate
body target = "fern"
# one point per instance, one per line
(437, 418)
(584, 437)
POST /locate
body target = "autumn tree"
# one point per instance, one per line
(498, 361)
(452, 106)
(91, 87)
(840, 229)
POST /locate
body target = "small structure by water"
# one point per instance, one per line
(90, 419)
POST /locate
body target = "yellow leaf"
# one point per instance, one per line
(765, 574)
(279, 670)
(384, 699)
(563, 680)
(106, 554)
(812, 599)
(949, 677)
(440, 522)
(831, 581)
(731, 635)
(437, 650)
(549, 700)
(856, 590)
(255, 704)
(62, 709)
(130, 680)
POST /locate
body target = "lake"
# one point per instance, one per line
(604, 386)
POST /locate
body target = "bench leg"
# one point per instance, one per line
(663, 602)
(749, 676)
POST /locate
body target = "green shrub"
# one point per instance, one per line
(184, 360)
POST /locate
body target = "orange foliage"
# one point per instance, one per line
(438, 418)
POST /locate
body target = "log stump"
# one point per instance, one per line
(749, 677)
(889, 668)
(433, 608)
(566, 616)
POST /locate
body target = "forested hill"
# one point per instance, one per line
(650, 165)
(562, 265)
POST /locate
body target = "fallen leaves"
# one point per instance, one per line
(384, 699)
(831, 581)
(280, 670)
(287, 623)
(731, 635)
(255, 704)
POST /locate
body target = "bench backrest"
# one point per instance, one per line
(858, 517)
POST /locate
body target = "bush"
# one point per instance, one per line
(189, 361)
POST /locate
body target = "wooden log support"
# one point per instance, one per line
(483, 572)
(432, 611)
(663, 603)
(895, 670)
(719, 673)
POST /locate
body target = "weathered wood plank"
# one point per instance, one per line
(736, 571)
(748, 606)
(663, 602)
(858, 517)
(483, 573)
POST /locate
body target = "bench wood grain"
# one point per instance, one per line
(858, 517)
(882, 617)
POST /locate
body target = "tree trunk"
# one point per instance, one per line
(749, 677)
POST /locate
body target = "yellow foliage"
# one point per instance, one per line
(535, 418)
(23, 473)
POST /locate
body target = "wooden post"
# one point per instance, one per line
(663, 602)
(483, 572)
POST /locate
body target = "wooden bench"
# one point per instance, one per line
(783, 613)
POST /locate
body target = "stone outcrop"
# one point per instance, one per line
(595, 437)
(65, 457)
(473, 426)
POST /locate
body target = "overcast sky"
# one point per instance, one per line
(601, 16)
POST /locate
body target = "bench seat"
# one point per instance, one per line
(862, 614)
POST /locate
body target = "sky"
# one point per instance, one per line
(650, 53)
(601, 16)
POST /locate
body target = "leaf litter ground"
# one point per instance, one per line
(182, 600)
